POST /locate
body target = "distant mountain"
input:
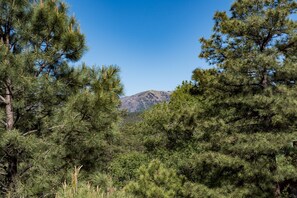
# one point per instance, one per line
(144, 100)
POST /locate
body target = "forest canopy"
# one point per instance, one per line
(230, 132)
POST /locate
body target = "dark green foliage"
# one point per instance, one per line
(20, 149)
(131, 117)
(88, 129)
(124, 167)
(170, 126)
(37, 39)
(53, 117)
(251, 123)
(156, 181)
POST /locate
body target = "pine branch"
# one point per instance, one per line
(33, 131)
(4, 123)
(26, 169)
(3, 99)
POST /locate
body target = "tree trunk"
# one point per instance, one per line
(264, 81)
(277, 191)
(8, 90)
(11, 172)
(9, 107)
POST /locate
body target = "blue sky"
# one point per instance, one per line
(154, 42)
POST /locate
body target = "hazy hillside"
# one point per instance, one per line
(144, 100)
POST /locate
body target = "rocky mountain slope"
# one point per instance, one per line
(144, 100)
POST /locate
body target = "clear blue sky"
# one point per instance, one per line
(154, 42)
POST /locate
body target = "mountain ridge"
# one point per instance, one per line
(144, 100)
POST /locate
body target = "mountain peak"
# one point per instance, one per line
(144, 100)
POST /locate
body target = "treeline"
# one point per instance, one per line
(230, 132)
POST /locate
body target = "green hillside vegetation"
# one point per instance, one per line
(230, 132)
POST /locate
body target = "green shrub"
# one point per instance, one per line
(124, 167)
(155, 180)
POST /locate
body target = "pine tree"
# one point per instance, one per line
(37, 40)
(79, 132)
(249, 126)
(87, 132)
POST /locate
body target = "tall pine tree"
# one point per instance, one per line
(249, 127)
(37, 40)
